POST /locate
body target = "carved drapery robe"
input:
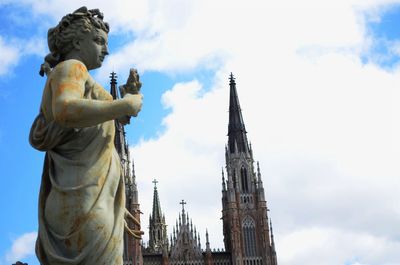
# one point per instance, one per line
(82, 196)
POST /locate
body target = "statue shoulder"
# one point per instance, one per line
(71, 69)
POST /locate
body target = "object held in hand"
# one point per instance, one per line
(132, 85)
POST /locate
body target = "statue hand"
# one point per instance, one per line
(134, 103)
(124, 120)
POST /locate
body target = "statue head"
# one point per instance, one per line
(83, 33)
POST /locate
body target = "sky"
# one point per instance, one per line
(319, 88)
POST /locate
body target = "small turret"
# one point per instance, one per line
(231, 190)
(259, 181)
(260, 186)
(208, 257)
(272, 238)
(226, 154)
(199, 240)
(207, 242)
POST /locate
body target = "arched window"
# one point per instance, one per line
(244, 181)
(249, 236)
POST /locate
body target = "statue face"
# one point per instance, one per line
(93, 48)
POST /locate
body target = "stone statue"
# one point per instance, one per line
(82, 195)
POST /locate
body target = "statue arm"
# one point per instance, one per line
(71, 109)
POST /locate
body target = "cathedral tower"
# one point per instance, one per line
(244, 208)
(158, 239)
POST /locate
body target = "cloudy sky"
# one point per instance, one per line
(319, 87)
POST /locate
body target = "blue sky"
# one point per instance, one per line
(319, 88)
(385, 34)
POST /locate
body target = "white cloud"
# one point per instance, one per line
(184, 158)
(315, 246)
(9, 56)
(12, 50)
(123, 15)
(324, 126)
(326, 140)
(22, 247)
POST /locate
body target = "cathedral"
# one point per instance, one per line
(247, 230)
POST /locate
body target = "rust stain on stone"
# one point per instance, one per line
(77, 222)
(69, 87)
(80, 242)
(67, 243)
(62, 116)
(77, 72)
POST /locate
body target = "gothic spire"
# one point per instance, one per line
(156, 214)
(236, 129)
(158, 239)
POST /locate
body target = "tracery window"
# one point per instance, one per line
(249, 236)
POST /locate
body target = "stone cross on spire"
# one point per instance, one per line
(183, 212)
(155, 183)
(183, 205)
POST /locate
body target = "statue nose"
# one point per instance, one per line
(105, 51)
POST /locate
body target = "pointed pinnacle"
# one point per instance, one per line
(231, 79)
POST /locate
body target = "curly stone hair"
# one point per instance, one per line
(72, 26)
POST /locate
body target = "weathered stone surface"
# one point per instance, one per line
(82, 194)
